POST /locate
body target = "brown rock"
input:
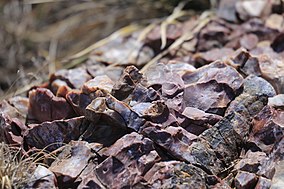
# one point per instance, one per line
(127, 82)
(218, 71)
(245, 180)
(267, 128)
(129, 159)
(42, 178)
(203, 58)
(258, 163)
(75, 78)
(44, 106)
(249, 41)
(184, 146)
(273, 71)
(263, 183)
(276, 101)
(11, 130)
(72, 161)
(103, 83)
(123, 51)
(175, 174)
(52, 135)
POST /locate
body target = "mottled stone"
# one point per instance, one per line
(52, 135)
(245, 180)
(175, 174)
(44, 106)
(75, 78)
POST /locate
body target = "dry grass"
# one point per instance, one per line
(15, 172)
(18, 166)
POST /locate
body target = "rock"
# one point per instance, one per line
(123, 51)
(224, 140)
(263, 183)
(184, 146)
(203, 58)
(245, 180)
(72, 161)
(217, 71)
(128, 160)
(162, 76)
(277, 181)
(75, 78)
(272, 70)
(209, 97)
(267, 129)
(258, 163)
(277, 43)
(42, 178)
(95, 69)
(59, 88)
(227, 10)
(249, 41)
(52, 135)
(274, 21)
(127, 82)
(103, 83)
(44, 106)
(276, 101)
(251, 8)
(175, 174)
(131, 118)
(197, 121)
(142, 94)
(21, 104)
(11, 130)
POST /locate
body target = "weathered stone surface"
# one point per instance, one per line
(211, 88)
(196, 121)
(127, 82)
(53, 134)
(175, 174)
(224, 140)
(163, 77)
(277, 181)
(245, 180)
(44, 106)
(128, 160)
(207, 57)
(258, 163)
(123, 51)
(42, 178)
(13, 112)
(249, 41)
(88, 177)
(184, 146)
(272, 69)
(254, 97)
(267, 128)
(11, 130)
(103, 83)
(21, 104)
(218, 71)
(72, 161)
(263, 183)
(131, 118)
(142, 94)
(209, 97)
(244, 62)
(75, 78)
(276, 101)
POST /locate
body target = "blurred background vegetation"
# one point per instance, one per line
(37, 33)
